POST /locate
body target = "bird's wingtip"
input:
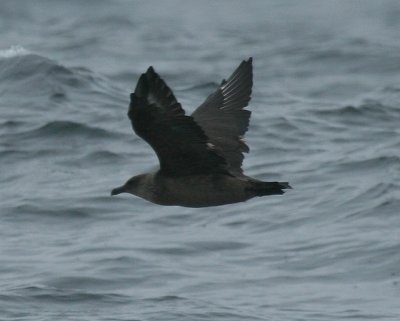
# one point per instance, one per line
(150, 70)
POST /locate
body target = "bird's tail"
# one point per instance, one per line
(269, 188)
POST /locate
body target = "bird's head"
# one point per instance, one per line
(133, 186)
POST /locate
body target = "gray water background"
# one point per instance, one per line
(326, 118)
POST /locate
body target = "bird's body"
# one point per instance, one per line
(200, 155)
(198, 190)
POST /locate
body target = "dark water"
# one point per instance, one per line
(326, 117)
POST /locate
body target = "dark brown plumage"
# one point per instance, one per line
(200, 155)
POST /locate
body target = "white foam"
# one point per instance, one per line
(13, 51)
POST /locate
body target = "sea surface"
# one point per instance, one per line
(325, 117)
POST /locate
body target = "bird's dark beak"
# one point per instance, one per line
(118, 190)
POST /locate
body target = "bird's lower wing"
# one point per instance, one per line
(179, 142)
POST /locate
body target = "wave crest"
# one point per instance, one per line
(13, 51)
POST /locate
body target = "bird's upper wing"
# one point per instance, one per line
(223, 118)
(181, 145)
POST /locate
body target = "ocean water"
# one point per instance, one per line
(326, 118)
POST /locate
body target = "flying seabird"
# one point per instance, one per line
(200, 155)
